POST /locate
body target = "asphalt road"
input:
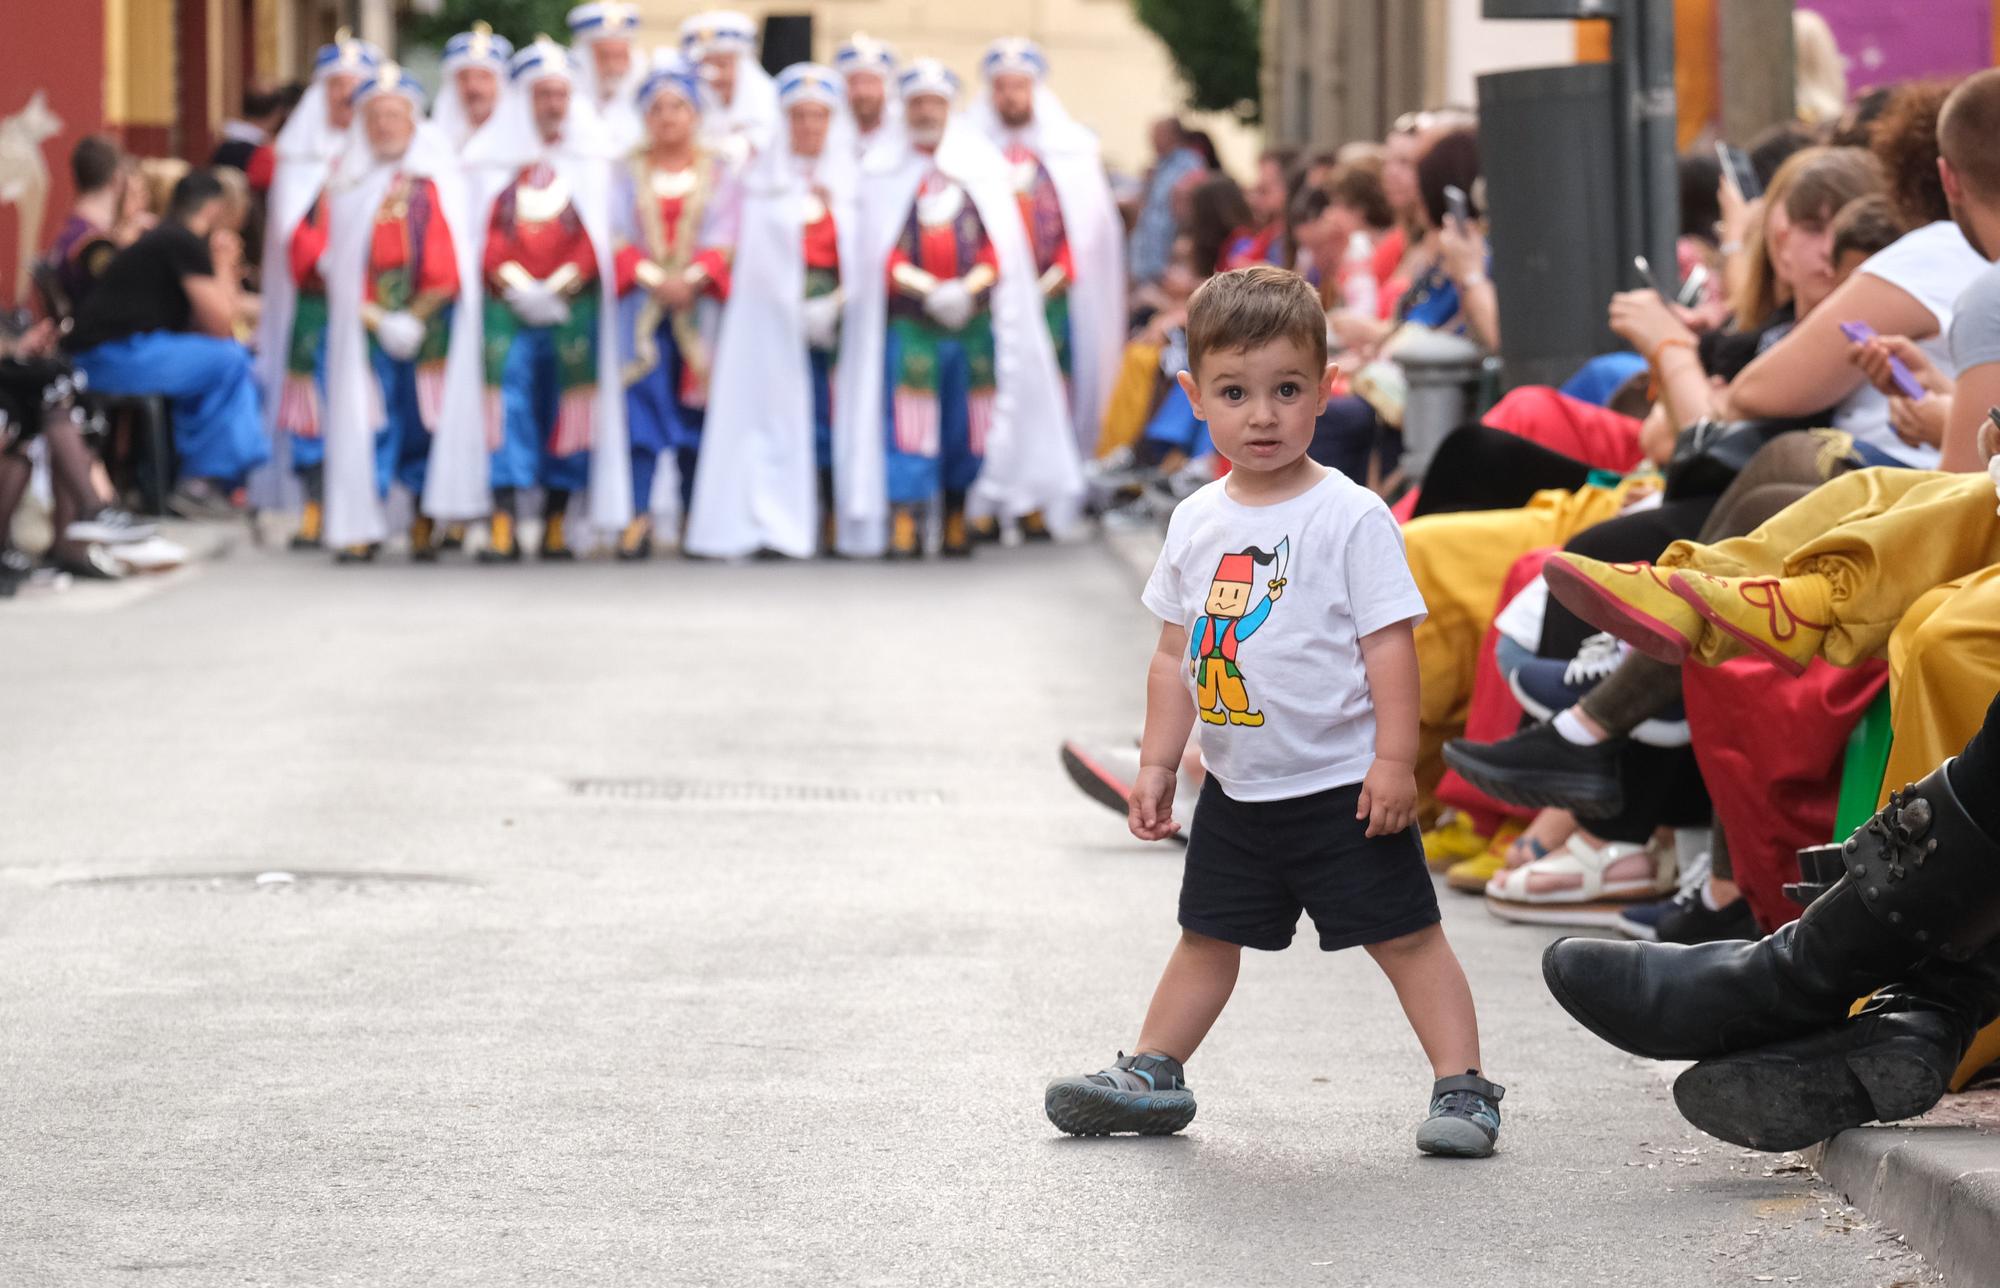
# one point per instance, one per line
(695, 924)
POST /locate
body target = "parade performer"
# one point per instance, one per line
(603, 32)
(672, 223)
(291, 329)
(771, 404)
(551, 312)
(469, 110)
(474, 73)
(383, 242)
(739, 102)
(869, 112)
(943, 304)
(1072, 222)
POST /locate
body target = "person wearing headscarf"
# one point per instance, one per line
(870, 110)
(771, 398)
(739, 103)
(550, 342)
(671, 208)
(942, 304)
(603, 33)
(471, 112)
(291, 329)
(382, 242)
(473, 76)
(1072, 220)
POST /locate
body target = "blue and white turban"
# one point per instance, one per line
(860, 53)
(539, 61)
(670, 75)
(809, 83)
(1015, 54)
(927, 76)
(389, 79)
(603, 19)
(345, 54)
(477, 48)
(719, 31)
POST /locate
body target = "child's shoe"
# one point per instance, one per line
(1454, 839)
(1147, 1094)
(1465, 1117)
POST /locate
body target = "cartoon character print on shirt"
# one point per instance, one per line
(1232, 613)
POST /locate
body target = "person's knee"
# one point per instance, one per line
(1194, 941)
(1414, 944)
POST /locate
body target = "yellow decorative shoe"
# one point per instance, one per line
(1453, 840)
(502, 543)
(312, 520)
(636, 541)
(958, 536)
(555, 540)
(1471, 875)
(905, 540)
(1783, 619)
(423, 540)
(1636, 602)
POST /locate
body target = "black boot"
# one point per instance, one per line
(1922, 879)
(1892, 1061)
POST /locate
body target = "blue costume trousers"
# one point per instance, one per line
(914, 477)
(822, 383)
(218, 423)
(656, 420)
(531, 392)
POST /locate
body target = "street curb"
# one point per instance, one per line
(1937, 1186)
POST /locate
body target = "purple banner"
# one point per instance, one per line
(1884, 41)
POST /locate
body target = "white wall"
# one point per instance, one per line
(1476, 45)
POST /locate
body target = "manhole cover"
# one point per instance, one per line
(695, 792)
(273, 881)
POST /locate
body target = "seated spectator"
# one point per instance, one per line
(1153, 222)
(162, 323)
(1341, 225)
(262, 165)
(99, 223)
(1261, 239)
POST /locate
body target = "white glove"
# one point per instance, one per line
(822, 315)
(400, 335)
(537, 305)
(950, 304)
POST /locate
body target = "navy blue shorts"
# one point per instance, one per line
(1254, 866)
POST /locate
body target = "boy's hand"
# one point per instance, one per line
(1150, 811)
(1388, 798)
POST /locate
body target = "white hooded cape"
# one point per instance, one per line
(755, 487)
(748, 126)
(1097, 317)
(456, 482)
(620, 113)
(1031, 455)
(583, 157)
(306, 151)
(354, 514)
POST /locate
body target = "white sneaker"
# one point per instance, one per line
(154, 554)
(111, 527)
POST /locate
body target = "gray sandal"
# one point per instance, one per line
(1147, 1094)
(1465, 1117)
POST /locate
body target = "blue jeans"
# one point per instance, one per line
(218, 422)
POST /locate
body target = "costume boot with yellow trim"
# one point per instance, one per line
(454, 537)
(1035, 527)
(555, 537)
(423, 540)
(829, 517)
(312, 515)
(503, 543)
(360, 552)
(1782, 619)
(906, 535)
(1634, 601)
(958, 533)
(635, 543)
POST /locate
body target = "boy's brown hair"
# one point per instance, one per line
(1248, 308)
(1863, 227)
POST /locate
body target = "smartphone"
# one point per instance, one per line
(1899, 374)
(1697, 282)
(1455, 201)
(1737, 169)
(1646, 274)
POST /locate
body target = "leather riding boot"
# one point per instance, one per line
(1892, 1061)
(1921, 880)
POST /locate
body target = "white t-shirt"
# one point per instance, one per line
(1934, 263)
(1287, 706)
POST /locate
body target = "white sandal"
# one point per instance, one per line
(1582, 894)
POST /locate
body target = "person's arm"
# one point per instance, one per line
(1978, 390)
(1169, 720)
(1810, 368)
(1389, 792)
(212, 295)
(1463, 249)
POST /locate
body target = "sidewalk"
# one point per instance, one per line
(1938, 1184)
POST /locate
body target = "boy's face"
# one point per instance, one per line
(1228, 598)
(1260, 404)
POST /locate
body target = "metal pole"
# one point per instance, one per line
(1642, 51)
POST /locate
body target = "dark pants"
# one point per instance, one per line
(1975, 775)
(1480, 468)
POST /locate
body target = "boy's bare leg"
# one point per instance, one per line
(1431, 985)
(1192, 992)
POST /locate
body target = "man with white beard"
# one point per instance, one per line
(868, 68)
(383, 243)
(291, 330)
(739, 103)
(550, 345)
(603, 32)
(771, 399)
(943, 302)
(1072, 222)
(473, 72)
